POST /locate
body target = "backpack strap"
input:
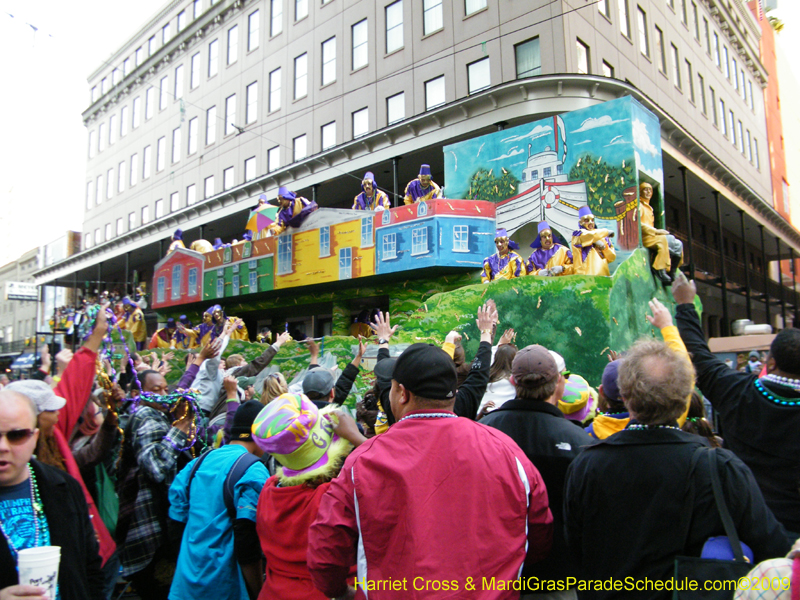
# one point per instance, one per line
(195, 466)
(722, 508)
(244, 462)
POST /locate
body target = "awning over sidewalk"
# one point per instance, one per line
(24, 361)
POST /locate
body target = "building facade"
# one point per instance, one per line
(17, 317)
(211, 104)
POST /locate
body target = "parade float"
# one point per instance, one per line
(425, 259)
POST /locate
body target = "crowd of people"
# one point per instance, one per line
(507, 476)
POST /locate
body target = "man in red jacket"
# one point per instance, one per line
(437, 507)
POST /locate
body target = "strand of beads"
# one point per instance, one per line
(785, 381)
(774, 397)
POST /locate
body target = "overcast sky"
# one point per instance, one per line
(44, 72)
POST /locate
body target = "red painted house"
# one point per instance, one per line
(178, 279)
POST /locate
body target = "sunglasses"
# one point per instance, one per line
(566, 374)
(17, 436)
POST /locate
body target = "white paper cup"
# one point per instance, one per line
(39, 567)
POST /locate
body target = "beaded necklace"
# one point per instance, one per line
(785, 381)
(774, 397)
(39, 519)
(643, 427)
(430, 416)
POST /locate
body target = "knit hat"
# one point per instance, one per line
(300, 437)
(609, 381)
(318, 383)
(577, 399)
(427, 371)
(241, 431)
(754, 354)
(534, 360)
(42, 394)
(424, 169)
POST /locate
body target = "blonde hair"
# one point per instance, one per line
(234, 360)
(274, 385)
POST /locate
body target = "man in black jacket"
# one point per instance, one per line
(551, 442)
(57, 517)
(760, 417)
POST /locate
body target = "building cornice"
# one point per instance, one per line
(750, 54)
(535, 97)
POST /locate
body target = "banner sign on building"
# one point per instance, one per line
(17, 290)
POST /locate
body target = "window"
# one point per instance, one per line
(528, 59)
(101, 137)
(717, 60)
(276, 19)
(123, 121)
(644, 38)
(121, 177)
(726, 67)
(301, 76)
(159, 208)
(145, 215)
(690, 79)
(750, 94)
(394, 26)
(192, 281)
(300, 9)
(178, 82)
(695, 22)
(134, 169)
(131, 221)
(109, 183)
(253, 276)
(138, 56)
(174, 202)
(602, 6)
(662, 54)
(103, 86)
(162, 98)
(92, 144)
(419, 241)
(328, 135)
(366, 231)
(360, 122)
(97, 239)
(284, 254)
(723, 117)
(608, 70)
(624, 22)
(165, 34)
(233, 44)
(194, 77)
(228, 179)
(741, 137)
(707, 35)
(701, 86)
(432, 16)
(328, 61)
(548, 172)
(176, 144)
(161, 289)
(107, 232)
(208, 187)
(389, 246)
(181, 20)
(473, 6)
(230, 114)
(732, 126)
(192, 146)
(324, 241)
(211, 125)
(252, 31)
(755, 154)
(197, 9)
(478, 75)
(250, 168)
(299, 147)
(176, 282)
(434, 93)
(251, 100)
(735, 74)
(98, 190)
(273, 159)
(275, 90)
(120, 226)
(87, 242)
(345, 263)
(95, 94)
(461, 238)
(684, 15)
(676, 66)
(220, 285)
(146, 156)
(359, 35)
(714, 105)
(583, 57)
(396, 108)
(161, 151)
(151, 45)
(191, 194)
(213, 58)
(112, 128)
(149, 103)
(136, 112)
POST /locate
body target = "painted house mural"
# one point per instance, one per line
(549, 169)
(178, 278)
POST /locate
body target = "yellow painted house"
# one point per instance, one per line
(330, 246)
